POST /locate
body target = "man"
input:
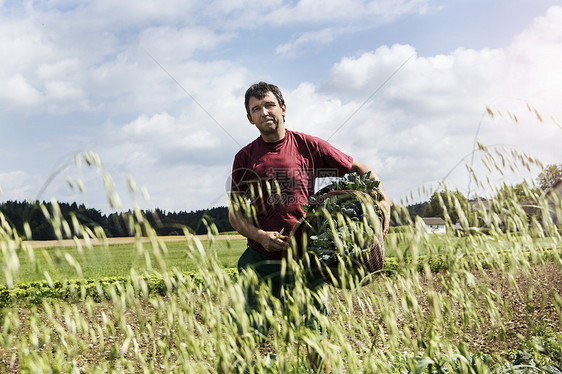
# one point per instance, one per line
(276, 173)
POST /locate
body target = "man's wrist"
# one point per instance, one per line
(260, 235)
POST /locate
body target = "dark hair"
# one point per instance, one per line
(259, 90)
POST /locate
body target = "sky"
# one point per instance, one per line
(118, 104)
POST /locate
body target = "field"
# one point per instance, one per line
(123, 254)
(470, 307)
(120, 256)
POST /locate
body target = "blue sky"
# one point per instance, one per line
(100, 76)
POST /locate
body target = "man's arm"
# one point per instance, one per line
(360, 168)
(272, 241)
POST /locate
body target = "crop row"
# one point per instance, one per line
(106, 288)
(96, 289)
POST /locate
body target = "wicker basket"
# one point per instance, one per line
(359, 267)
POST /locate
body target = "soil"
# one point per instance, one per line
(531, 303)
(528, 306)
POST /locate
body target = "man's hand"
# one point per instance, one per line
(385, 206)
(384, 203)
(273, 241)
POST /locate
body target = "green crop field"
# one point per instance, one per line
(117, 260)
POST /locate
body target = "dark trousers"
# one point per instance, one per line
(269, 271)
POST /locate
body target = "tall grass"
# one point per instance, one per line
(467, 302)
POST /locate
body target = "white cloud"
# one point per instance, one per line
(334, 11)
(92, 52)
(169, 43)
(17, 91)
(398, 79)
(165, 130)
(159, 140)
(534, 68)
(343, 17)
(316, 38)
(81, 56)
(15, 185)
(62, 90)
(129, 15)
(424, 120)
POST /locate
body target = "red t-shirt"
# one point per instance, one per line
(289, 167)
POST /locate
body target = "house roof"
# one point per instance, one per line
(479, 204)
(556, 186)
(529, 207)
(433, 221)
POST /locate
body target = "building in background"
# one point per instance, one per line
(434, 225)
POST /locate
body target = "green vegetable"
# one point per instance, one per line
(343, 225)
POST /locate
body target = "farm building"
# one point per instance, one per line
(434, 225)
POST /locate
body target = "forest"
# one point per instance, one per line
(37, 215)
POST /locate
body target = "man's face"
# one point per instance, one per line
(266, 114)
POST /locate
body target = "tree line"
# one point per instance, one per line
(448, 203)
(40, 217)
